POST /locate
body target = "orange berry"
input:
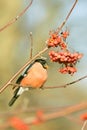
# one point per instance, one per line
(84, 116)
(65, 34)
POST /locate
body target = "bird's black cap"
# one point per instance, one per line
(42, 61)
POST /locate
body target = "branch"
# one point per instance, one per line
(67, 17)
(42, 116)
(16, 18)
(84, 125)
(65, 85)
(66, 111)
(31, 46)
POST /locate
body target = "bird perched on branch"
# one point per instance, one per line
(34, 76)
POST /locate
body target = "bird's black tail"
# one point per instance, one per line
(13, 100)
(16, 95)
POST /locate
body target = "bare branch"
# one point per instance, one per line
(45, 115)
(84, 125)
(31, 47)
(67, 17)
(16, 18)
(66, 85)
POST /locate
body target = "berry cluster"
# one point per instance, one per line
(68, 69)
(67, 59)
(64, 56)
(65, 34)
(56, 40)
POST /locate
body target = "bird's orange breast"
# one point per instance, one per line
(35, 77)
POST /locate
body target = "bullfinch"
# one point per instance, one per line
(34, 76)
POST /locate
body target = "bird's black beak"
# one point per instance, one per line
(46, 66)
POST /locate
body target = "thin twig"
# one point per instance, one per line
(65, 85)
(67, 17)
(31, 46)
(66, 111)
(84, 125)
(16, 18)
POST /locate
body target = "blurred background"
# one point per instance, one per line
(42, 17)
